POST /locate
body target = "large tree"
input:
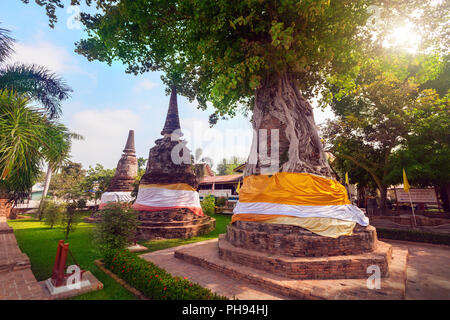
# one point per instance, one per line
(266, 56)
(383, 114)
(425, 153)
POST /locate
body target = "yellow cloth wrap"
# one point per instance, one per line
(327, 227)
(293, 189)
(173, 186)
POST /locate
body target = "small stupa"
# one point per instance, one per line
(168, 202)
(121, 185)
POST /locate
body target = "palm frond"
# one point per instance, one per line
(38, 83)
(6, 43)
(22, 134)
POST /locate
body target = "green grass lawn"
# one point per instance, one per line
(39, 242)
(221, 226)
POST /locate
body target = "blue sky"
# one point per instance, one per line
(107, 102)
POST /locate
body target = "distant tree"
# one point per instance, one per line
(68, 183)
(226, 166)
(97, 180)
(142, 163)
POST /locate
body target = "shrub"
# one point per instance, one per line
(208, 205)
(152, 281)
(117, 226)
(52, 213)
(413, 235)
(221, 201)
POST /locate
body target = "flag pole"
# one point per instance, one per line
(412, 208)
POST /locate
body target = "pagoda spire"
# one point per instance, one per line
(172, 119)
(126, 170)
(129, 146)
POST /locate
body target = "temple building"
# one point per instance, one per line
(168, 202)
(121, 185)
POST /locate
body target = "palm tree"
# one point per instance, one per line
(57, 155)
(36, 82)
(27, 138)
(22, 138)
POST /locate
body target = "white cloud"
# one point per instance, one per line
(46, 54)
(144, 85)
(105, 133)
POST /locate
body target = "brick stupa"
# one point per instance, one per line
(122, 184)
(167, 201)
(126, 170)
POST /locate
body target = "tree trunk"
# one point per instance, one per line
(444, 192)
(383, 197)
(48, 178)
(361, 196)
(280, 105)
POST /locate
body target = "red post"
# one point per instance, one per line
(62, 264)
(57, 259)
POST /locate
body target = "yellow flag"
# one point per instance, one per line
(346, 178)
(405, 182)
(238, 187)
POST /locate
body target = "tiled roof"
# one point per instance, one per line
(222, 179)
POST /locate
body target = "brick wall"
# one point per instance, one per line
(293, 241)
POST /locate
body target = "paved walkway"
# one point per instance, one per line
(428, 274)
(17, 282)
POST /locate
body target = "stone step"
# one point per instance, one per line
(353, 266)
(206, 255)
(171, 232)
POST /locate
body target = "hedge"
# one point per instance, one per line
(152, 281)
(413, 235)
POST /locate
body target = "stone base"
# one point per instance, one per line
(174, 223)
(294, 241)
(335, 267)
(89, 283)
(64, 289)
(206, 255)
(296, 253)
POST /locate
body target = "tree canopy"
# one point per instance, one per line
(388, 115)
(220, 51)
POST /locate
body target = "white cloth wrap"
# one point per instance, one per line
(160, 197)
(114, 196)
(345, 212)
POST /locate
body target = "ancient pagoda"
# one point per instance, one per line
(295, 223)
(121, 185)
(168, 202)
